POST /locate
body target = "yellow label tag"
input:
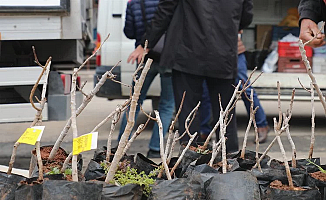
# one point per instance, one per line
(30, 136)
(84, 143)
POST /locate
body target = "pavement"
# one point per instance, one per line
(99, 108)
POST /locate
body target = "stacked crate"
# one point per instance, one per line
(319, 60)
(290, 58)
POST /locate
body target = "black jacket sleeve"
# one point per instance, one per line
(160, 22)
(311, 9)
(247, 14)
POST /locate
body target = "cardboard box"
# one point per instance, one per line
(263, 36)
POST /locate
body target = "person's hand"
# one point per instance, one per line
(137, 54)
(308, 30)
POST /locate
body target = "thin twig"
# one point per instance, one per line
(312, 139)
(113, 125)
(310, 74)
(140, 129)
(91, 56)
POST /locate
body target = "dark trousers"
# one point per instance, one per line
(193, 85)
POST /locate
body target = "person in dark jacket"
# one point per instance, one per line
(311, 12)
(135, 29)
(201, 44)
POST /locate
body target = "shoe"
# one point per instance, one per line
(202, 138)
(153, 154)
(263, 133)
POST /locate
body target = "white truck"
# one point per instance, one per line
(111, 19)
(57, 28)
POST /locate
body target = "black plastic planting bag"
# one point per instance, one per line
(127, 192)
(178, 189)
(144, 164)
(235, 185)
(100, 154)
(8, 185)
(250, 160)
(68, 190)
(188, 157)
(269, 174)
(309, 194)
(94, 171)
(29, 192)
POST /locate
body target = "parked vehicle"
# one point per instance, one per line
(56, 28)
(111, 19)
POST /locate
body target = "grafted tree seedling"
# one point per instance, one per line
(38, 118)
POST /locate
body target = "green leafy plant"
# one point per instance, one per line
(56, 170)
(126, 174)
(319, 167)
(199, 150)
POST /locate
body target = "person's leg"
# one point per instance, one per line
(225, 89)
(205, 114)
(260, 116)
(242, 75)
(192, 84)
(148, 81)
(165, 108)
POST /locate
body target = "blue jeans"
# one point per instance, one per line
(205, 111)
(165, 108)
(242, 75)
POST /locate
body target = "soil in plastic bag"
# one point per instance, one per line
(236, 185)
(8, 185)
(127, 192)
(302, 193)
(179, 189)
(67, 190)
(57, 161)
(318, 179)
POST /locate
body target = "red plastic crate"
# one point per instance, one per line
(291, 49)
(292, 65)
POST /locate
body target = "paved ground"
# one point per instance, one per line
(99, 108)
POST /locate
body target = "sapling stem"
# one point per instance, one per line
(65, 164)
(243, 151)
(312, 139)
(86, 100)
(216, 149)
(113, 124)
(38, 117)
(310, 74)
(140, 129)
(286, 164)
(163, 156)
(222, 136)
(131, 121)
(192, 137)
(74, 123)
(286, 119)
(257, 141)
